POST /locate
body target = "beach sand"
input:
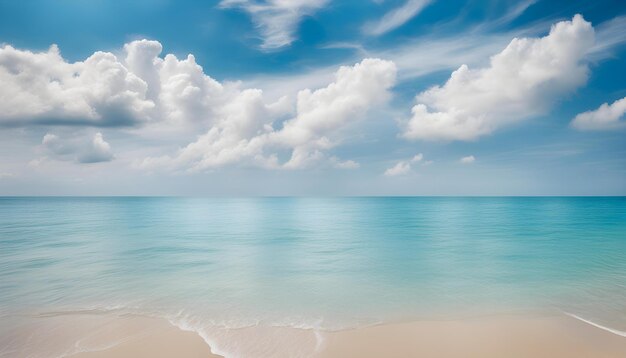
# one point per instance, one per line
(511, 336)
(485, 337)
(135, 336)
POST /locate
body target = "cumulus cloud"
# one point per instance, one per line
(104, 90)
(239, 134)
(467, 160)
(95, 150)
(98, 151)
(43, 88)
(606, 117)
(322, 112)
(522, 81)
(397, 17)
(164, 94)
(400, 168)
(247, 129)
(404, 166)
(276, 20)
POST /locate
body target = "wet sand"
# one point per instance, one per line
(147, 337)
(510, 336)
(485, 337)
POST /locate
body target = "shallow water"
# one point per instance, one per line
(325, 263)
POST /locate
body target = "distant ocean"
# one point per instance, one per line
(324, 263)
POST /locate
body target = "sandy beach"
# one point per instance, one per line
(484, 337)
(498, 336)
(148, 337)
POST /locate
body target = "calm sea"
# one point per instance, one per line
(326, 263)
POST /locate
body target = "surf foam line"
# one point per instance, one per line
(185, 326)
(608, 329)
(221, 343)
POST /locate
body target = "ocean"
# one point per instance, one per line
(211, 264)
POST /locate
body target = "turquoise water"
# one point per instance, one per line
(327, 263)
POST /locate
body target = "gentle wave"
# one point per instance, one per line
(314, 264)
(608, 329)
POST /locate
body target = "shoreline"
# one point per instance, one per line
(599, 326)
(502, 336)
(149, 337)
(98, 336)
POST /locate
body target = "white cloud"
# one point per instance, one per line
(165, 95)
(404, 166)
(246, 129)
(140, 89)
(95, 150)
(417, 158)
(99, 151)
(397, 17)
(239, 133)
(277, 20)
(346, 164)
(55, 145)
(522, 81)
(609, 35)
(467, 160)
(43, 88)
(432, 53)
(607, 116)
(511, 14)
(321, 112)
(401, 168)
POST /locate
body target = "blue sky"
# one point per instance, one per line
(312, 97)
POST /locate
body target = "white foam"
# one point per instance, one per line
(254, 340)
(185, 325)
(608, 329)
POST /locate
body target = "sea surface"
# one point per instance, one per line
(313, 263)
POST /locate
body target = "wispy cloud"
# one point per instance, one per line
(276, 20)
(432, 53)
(511, 14)
(396, 17)
(418, 57)
(609, 35)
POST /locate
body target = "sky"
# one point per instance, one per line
(312, 97)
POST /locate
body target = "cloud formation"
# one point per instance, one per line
(467, 160)
(397, 17)
(522, 81)
(346, 164)
(145, 90)
(276, 20)
(95, 150)
(605, 117)
(248, 129)
(104, 90)
(43, 88)
(404, 166)
(400, 168)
